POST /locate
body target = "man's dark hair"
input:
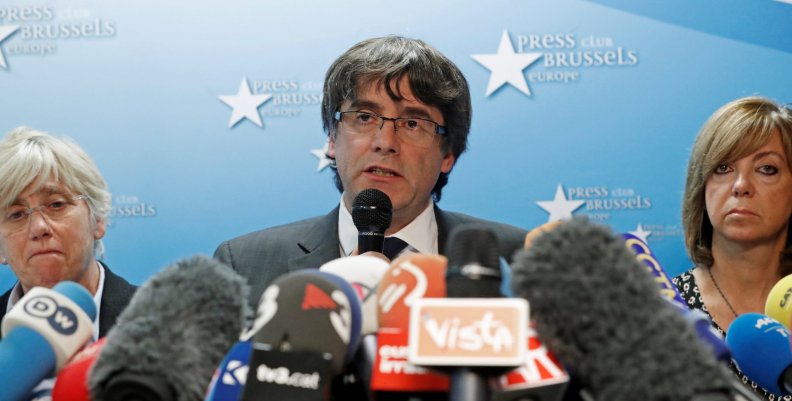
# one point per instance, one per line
(433, 78)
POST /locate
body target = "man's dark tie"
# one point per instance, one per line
(393, 247)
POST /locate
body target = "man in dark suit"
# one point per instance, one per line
(397, 114)
(55, 204)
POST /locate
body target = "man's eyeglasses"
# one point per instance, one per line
(16, 217)
(413, 130)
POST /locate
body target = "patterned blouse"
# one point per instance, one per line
(686, 284)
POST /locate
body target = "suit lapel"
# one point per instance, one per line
(319, 242)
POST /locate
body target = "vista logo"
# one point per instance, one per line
(468, 332)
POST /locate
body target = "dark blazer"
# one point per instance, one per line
(264, 255)
(116, 295)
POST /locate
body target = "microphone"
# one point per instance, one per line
(229, 379)
(372, 212)
(40, 333)
(475, 333)
(600, 313)
(364, 273)
(706, 333)
(175, 331)
(760, 347)
(541, 377)
(306, 323)
(409, 278)
(72, 381)
(778, 304)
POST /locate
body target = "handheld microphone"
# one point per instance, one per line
(409, 278)
(778, 304)
(600, 313)
(229, 379)
(174, 333)
(40, 333)
(72, 381)
(760, 348)
(307, 321)
(372, 212)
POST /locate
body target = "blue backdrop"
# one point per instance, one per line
(580, 107)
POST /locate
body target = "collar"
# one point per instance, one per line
(16, 295)
(421, 233)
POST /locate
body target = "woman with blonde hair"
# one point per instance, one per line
(736, 211)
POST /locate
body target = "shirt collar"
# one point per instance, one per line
(16, 295)
(421, 233)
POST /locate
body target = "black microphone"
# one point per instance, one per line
(473, 272)
(307, 326)
(473, 263)
(174, 333)
(372, 212)
(600, 313)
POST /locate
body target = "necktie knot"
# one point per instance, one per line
(393, 246)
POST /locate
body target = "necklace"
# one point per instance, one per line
(717, 287)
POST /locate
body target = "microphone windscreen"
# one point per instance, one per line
(778, 304)
(473, 263)
(760, 348)
(178, 326)
(409, 278)
(372, 208)
(364, 273)
(601, 315)
(310, 310)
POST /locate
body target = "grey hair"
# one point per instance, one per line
(29, 158)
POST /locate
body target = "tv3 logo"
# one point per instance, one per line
(60, 318)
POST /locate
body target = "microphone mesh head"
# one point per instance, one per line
(473, 261)
(372, 208)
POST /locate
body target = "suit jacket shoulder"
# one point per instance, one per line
(510, 238)
(264, 255)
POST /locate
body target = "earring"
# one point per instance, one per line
(3, 261)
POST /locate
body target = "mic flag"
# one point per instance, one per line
(468, 332)
(40, 333)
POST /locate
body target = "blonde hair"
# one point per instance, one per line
(735, 130)
(30, 157)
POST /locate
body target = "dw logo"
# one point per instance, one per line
(61, 319)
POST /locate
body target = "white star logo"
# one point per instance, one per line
(560, 208)
(245, 105)
(640, 233)
(506, 66)
(321, 154)
(5, 32)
